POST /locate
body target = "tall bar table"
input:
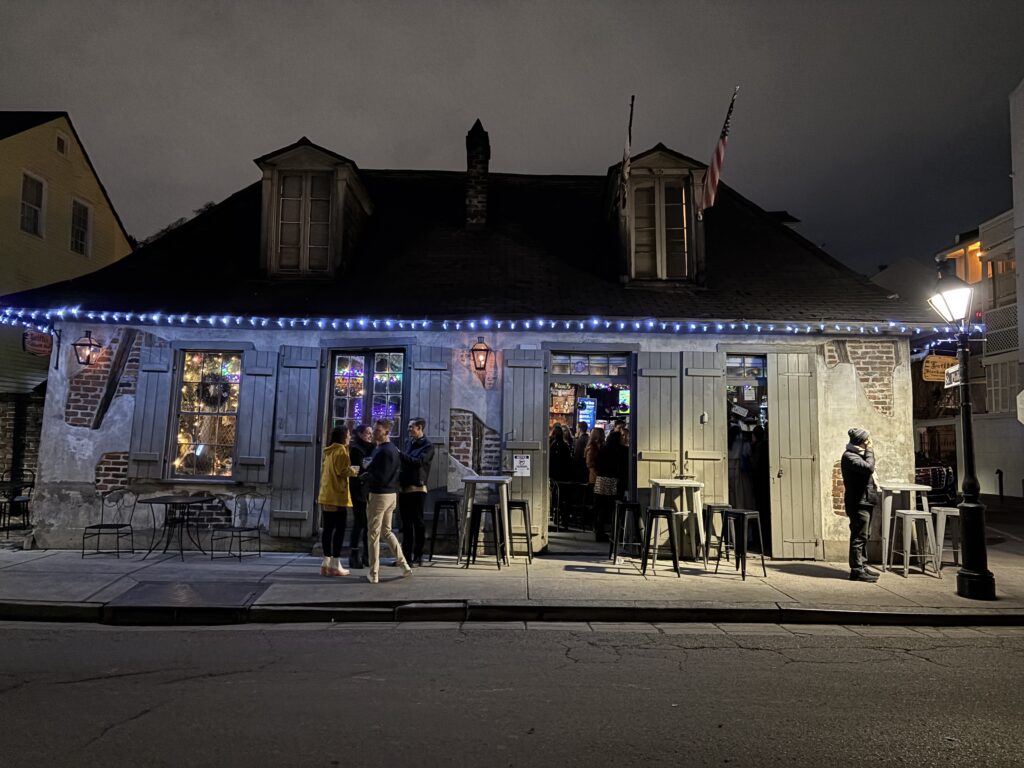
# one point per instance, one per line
(501, 483)
(690, 506)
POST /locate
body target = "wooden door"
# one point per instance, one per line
(792, 445)
(706, 423)
(524, 431)
(657, 419)
(294, 470)
(430, 397)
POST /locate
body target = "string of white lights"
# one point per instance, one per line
(43, 320)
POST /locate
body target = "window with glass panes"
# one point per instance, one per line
(661, 231)
(80, 227)
(207, 413)
(304, 222)
(362, 394)
(31, 205)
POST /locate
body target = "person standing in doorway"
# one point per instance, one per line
(360, 448)
(417, 458)
(335, 500)
(383, 469)
(579, 453)
(859, 495)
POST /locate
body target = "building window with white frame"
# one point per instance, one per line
(661, 248)
(1001, 387)
(33, 197)
(304, 209)
(207, 413)
(81, 228)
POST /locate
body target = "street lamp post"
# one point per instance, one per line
(952, 300)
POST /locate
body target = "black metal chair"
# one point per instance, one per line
(18, 498)
(247, 517)
(523, 506)
(449, 505)
(668, 515)
(742, 517)
(117, 511)
(497, 533)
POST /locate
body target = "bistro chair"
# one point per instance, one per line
(247, 519)
(117, 511)
(18, 497)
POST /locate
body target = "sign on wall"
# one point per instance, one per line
(934, 367)
(521, 464)
(36, 343)
(952, 377)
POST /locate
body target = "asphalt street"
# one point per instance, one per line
(510, 695)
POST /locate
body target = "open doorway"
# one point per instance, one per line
(747, 442)
(587, 392)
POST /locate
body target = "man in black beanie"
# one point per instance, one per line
(858, 468)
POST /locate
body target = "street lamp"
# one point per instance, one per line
(952, 300)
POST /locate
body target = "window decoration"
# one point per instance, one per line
(208, 414)
(81, 227)
(589, 365)
(32, 205)
(304, 222)
(349, 390)
(387, 386)
(362, 396)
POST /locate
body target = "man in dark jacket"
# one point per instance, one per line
(360, 448)
(383, 483)
(858, 468)
(416, 461)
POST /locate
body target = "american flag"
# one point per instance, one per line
(624, 173)
(715, 170)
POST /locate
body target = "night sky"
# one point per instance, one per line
(882, 126)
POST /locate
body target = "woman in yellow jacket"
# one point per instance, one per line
(335, 500)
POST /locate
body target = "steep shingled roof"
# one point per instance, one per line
(547, 250)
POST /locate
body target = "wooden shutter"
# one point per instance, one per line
(294, 466)
(657, 418)
(147, 455)
(706, 423)
(524, 407)
(255, 417)
(792, 443)
(430, 397)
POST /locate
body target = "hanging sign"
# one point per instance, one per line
(934, 367)
(952, 377)
(36, 343)
(521, 465)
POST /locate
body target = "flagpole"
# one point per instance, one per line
(624, 170)
(715, 168)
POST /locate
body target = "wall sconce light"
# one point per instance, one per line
(481, 353)
(87, 349)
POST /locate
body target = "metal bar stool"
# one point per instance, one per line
(730, 517)
(446, 507)
(709, 511)
(911, 518)
(651, 538)
(523, 506)
(941, 514)
(625, 519)
(497, 533)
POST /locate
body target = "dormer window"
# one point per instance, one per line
(305, 203)
(661, 232)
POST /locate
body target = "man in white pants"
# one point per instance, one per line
(385, 463)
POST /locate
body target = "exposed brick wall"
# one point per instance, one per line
(86, 387)
(112, 471)
(478, 155)
(490, 458)
(837, 490)
(21, 421)
(210, 514)
(875, 362)
(460, 437)
(473, 444)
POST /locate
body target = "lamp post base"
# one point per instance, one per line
(976, 586)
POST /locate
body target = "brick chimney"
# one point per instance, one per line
(478, 155)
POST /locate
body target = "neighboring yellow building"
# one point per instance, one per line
(56, 222)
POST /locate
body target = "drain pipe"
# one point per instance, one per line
(999, 480)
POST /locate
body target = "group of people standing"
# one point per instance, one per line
(593, 457)
(368, 474)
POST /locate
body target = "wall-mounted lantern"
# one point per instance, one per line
(87, 349)
(481, 353)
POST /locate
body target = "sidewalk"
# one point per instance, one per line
(282, 587)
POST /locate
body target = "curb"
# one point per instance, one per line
(458, 611)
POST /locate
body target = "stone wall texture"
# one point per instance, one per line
(874, 362)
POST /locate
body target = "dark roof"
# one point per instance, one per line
(547, 250)
(13, 122)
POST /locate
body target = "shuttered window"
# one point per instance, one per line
(304, 210)
(661, 247)
(207, 414)
(362, 396)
